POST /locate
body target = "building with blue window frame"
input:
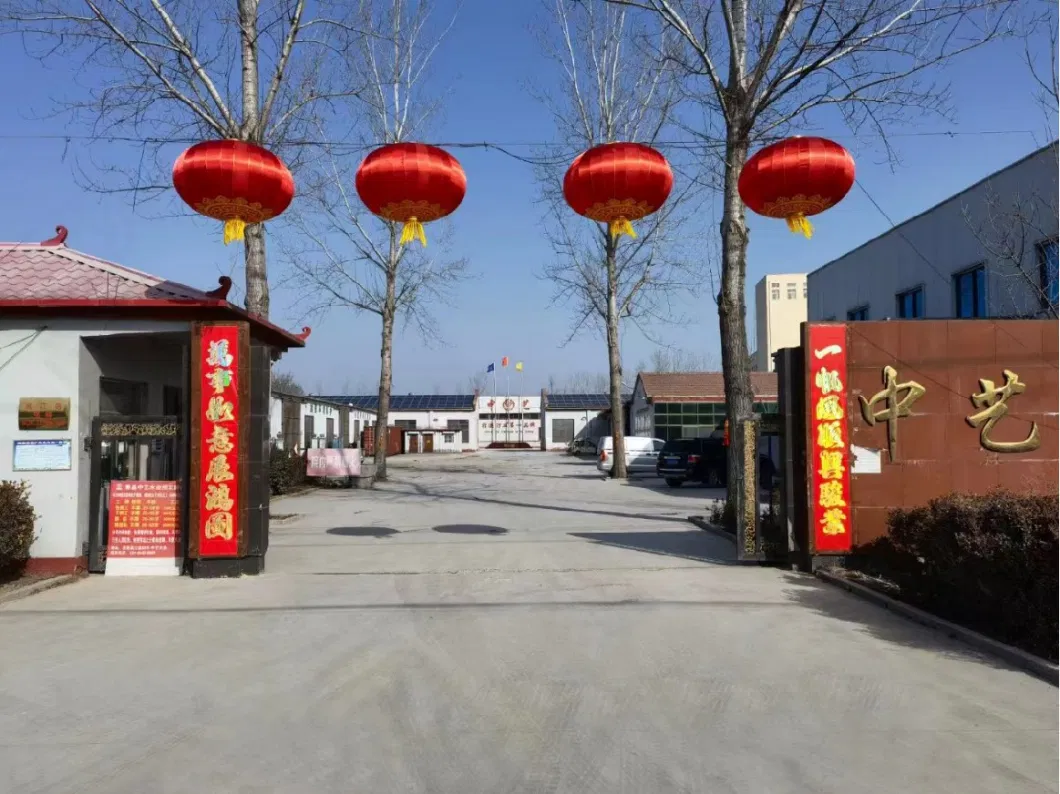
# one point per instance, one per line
(988, 251)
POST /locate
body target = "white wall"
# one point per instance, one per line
(642, 413)
(587, 424)
(439, 420)
(951, 237)
(780, 311)
(55, 363)
(321, 412)
(517, 427)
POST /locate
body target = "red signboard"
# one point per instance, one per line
(829, 464)
(144, 520)
(219, 442)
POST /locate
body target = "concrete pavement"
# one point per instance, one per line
(502, 622)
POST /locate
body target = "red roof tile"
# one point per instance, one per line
(45, 273)
(705, 386)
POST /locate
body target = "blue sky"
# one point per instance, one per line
(506, 309)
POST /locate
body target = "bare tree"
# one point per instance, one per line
(476, 384)
(286, 383)
(165, 72)
(674, 359)
(580, 383)
(754, 68)
(611, 92)
(346, 257)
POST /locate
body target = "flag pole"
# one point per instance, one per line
(493, 429)
(507, 396)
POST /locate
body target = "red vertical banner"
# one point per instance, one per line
(219, 528)
(829, 463)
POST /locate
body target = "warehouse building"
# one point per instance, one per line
(988, 251)
(690, 404)
(576, 416)
(448, 420)
(298, 422)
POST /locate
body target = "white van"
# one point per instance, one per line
(641, 454)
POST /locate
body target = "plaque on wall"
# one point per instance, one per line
(42, 455)
(44, 413)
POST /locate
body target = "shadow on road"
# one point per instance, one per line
(835, 603)
(363, 532)
(470, 529)
(692, 544)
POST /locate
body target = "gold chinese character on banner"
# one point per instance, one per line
(217, 354)
(832, 467)
(220, 441)
(218, 498)
(830, 435)
(834, 522)
(828, 409)
(828, 381)
(219, 470)
(219, 379)
(994, 402)
(219, 525)
(896, 405)
(220, 410)
(832, 494)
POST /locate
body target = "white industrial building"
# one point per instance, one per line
(419, 414)
(314, 423)
(575, 416)
(988, 251)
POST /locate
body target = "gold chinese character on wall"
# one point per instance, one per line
(220, 441)
(994, 402)
(828, 409)
(830, 435)
(219, 525)
(832, 467)
(220, 410)
(828, 381)
(834, 522)
(896, 405)
(219, 470)
(218, 498)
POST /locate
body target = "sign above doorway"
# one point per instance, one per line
(44, 413)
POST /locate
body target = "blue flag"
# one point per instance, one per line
(489, 369)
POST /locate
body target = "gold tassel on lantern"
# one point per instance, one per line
(234, 228)
(413, 230)
(800, 224)
(621, 226)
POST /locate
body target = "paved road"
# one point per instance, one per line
(502, 623)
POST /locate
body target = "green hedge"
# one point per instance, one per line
(16, 527)
(985, 562)
(286, 471)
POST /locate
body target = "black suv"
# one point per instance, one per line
(695, 459)
(702, 460)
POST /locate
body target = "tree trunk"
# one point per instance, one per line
(385, 356)
(614, 360)
(735, 363)
(256, 273)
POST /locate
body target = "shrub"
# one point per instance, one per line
(286, 471)
(987, 562)
(16, 527)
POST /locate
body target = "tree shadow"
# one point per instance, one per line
(690, 490)
(833, 602)
(363, 532)
(691, 544)
(470, 529)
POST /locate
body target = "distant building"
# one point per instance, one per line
(451, 419)
(576, 416)
(780, 311)
(690, 404)
(297, 422)
(988, 251)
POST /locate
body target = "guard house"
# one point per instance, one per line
(138, 411)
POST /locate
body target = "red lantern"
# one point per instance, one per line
(617, 183)
(234, 182)
(796, 178)
(411, 184)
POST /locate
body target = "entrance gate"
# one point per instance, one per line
(132, 448)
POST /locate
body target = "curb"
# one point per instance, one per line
(38, 587)
(713, 529)
(1028, 662)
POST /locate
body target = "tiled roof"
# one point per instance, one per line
(55, 272)
(688, 386)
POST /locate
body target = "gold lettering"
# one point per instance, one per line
(832, 467)
(830, 435)
(220, 410)
(220, 440)
(895, 407)
(834, 522)
(217, 354)
(828, 381)
(828, 409)
(219, 470)
(218, 498)
(832, 494)
(219, 379)
(219, 525)
(993, 400)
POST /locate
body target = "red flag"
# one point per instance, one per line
(504, 361)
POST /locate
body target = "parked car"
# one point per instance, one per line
(641, 454)
(582, 446)
(703, 460)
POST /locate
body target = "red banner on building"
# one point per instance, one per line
(219, 442)
(829, 464)
(144, 520)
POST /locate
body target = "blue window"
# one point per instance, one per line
(860, 313)
(969, 293)
(1047, 262)
(910, 303)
